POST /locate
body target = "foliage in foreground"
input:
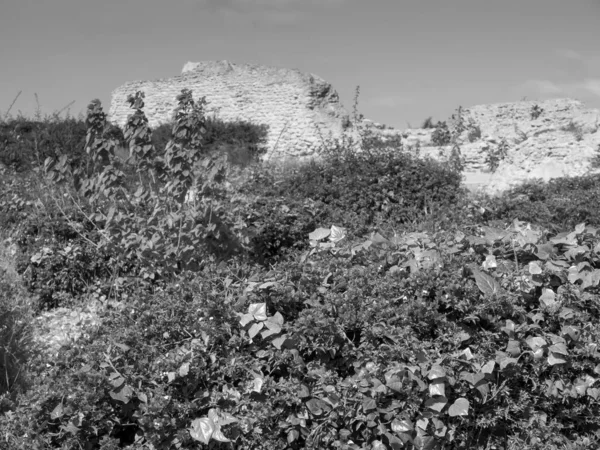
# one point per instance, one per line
(453, 340)
(466, 335)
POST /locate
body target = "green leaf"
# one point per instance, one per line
(378, 239)
(57, 412)
(488, 367)
(337, 234)
(556, 358)
(395, 386)
(472, 378)
(394, 442)
(257, 384)
(504, 362)
(459, 408)
(369, 404)
(573, 332)
(273, 325)
(513, 348)
(436, 371)
(319, 234)
(268, 284)
(590, 279)
(425, 442)
(535, 342)
(509, 328)
(317, 406)
(202, 430)
(547, 298)
(266, 333)
(486, 283)
(292, 435)
(378, 445)
(116, 380)
(559, 348)
(566, 313)
(436, 403)
(278, 342)
(184, 369)
(303, 391)
(258, 311)
(484, 389)
(440, 428)
(123, 394)
(246, 319)
(254, 329)
(70, 428)
(277, 318)
(437, 387)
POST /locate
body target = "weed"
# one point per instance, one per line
(575, 129)
(536, 111)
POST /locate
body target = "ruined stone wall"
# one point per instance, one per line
(300, 109)
(561, 142)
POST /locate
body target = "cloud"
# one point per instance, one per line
(545, 87)
(580, 88)
(576, 76)
(569, 54)
(592, 85)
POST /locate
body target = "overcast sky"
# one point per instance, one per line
(411, 58)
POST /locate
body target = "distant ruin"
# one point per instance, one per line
(303, 112)
(300, 109)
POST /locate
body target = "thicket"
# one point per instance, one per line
(364, 301)
(559, 204)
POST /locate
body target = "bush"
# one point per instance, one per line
(16, 344)
(243, 142)
(335, 352)
(25, 143)
(441, 135)
(362, 191)
(536, 111)
(428, 123)
(55, 261)
(558, 204)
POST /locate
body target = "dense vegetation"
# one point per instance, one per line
(363, 301)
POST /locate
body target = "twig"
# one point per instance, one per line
(12, 104)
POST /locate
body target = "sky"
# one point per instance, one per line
(411, 58)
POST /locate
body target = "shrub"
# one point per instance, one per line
(25, 144)
(362, 191)
(161, 135)
(558, 204)
(474, 133)
(428, 123)
(441, 135)
(595, 161)
(16, 344)
(496, 155)
(536, 111)
(173, 216)
(242, 141)
(574, 129)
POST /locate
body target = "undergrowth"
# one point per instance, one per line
(363, 301)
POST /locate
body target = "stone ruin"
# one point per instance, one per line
(303, 112)
(300, 109)
(562, 141)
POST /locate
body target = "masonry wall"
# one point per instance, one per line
(300, 109)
